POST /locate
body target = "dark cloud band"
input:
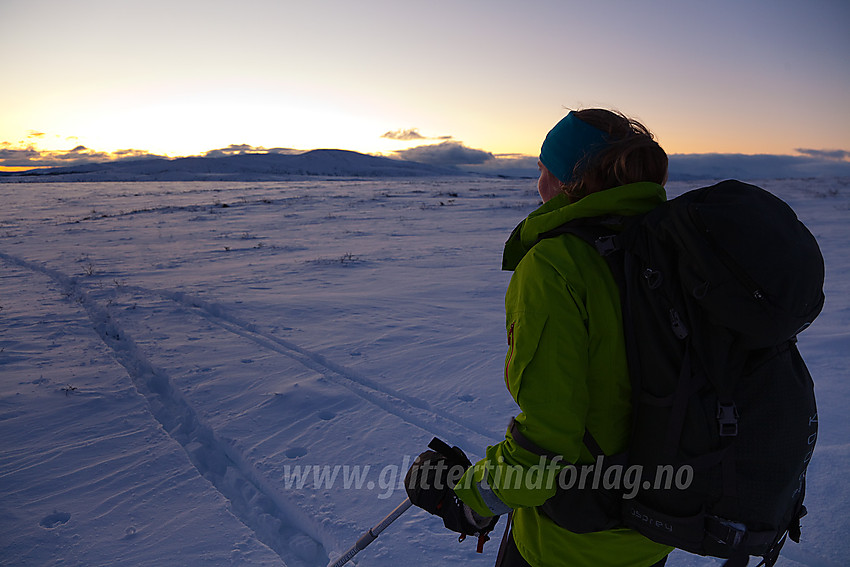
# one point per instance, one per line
(445, 153)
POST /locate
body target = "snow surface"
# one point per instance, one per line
(170, 351)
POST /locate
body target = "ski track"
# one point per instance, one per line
(273, 519)
(408, 408)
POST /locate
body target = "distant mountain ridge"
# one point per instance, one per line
(243, 167)
(346, 163)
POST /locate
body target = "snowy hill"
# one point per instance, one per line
(343, 163)
(247, 167)
(240, 373)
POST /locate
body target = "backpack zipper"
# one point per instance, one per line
(731, 264)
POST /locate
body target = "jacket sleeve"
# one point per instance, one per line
(546, 370)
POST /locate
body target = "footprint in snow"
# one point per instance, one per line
(305, 547)
(295, 452)
(55, 519)
(326, 415)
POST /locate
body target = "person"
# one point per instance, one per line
(566, 364)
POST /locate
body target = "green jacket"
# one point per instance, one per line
(566, 369)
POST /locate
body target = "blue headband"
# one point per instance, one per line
(568, 143)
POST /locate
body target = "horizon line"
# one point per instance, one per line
(82, 155)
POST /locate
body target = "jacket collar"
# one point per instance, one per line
(626, 200)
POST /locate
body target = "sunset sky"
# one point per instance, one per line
(177, 77)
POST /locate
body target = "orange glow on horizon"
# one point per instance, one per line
(15, 169)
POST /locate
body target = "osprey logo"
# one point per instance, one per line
(648, 520)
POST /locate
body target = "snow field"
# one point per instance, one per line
(172, 351)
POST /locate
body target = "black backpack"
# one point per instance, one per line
(715, 286)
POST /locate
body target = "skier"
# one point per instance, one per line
(566, 364)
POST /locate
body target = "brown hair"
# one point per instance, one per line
(632, 155)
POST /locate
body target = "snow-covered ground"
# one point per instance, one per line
(172, 354)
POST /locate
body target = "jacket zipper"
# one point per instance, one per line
(510, 356)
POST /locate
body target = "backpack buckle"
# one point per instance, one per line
(606, 245)
(727, 418)
(726, 532)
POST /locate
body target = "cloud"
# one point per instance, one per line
(510, 165)
(760, 166)
(30, 156)
(20, 156)
(231, 150)
(131, 154)
(683, 167)
(705, 167)
(84, 153)
(406, 135)
(36, 134)
(839, 155)
(411, 134)
(243, 149)
(445, 153)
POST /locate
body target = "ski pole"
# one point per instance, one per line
(372, 534)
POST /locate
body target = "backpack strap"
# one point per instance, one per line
(600, 232)
(604, 234)
(572, 508)
(527, 444)
(531, 447)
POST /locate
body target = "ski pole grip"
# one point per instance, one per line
(454, 455)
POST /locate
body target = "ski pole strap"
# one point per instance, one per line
(483, 538)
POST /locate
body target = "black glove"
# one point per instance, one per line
(430, 482)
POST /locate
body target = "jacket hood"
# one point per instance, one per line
(626, 200)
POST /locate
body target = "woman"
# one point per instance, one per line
(566, 362)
